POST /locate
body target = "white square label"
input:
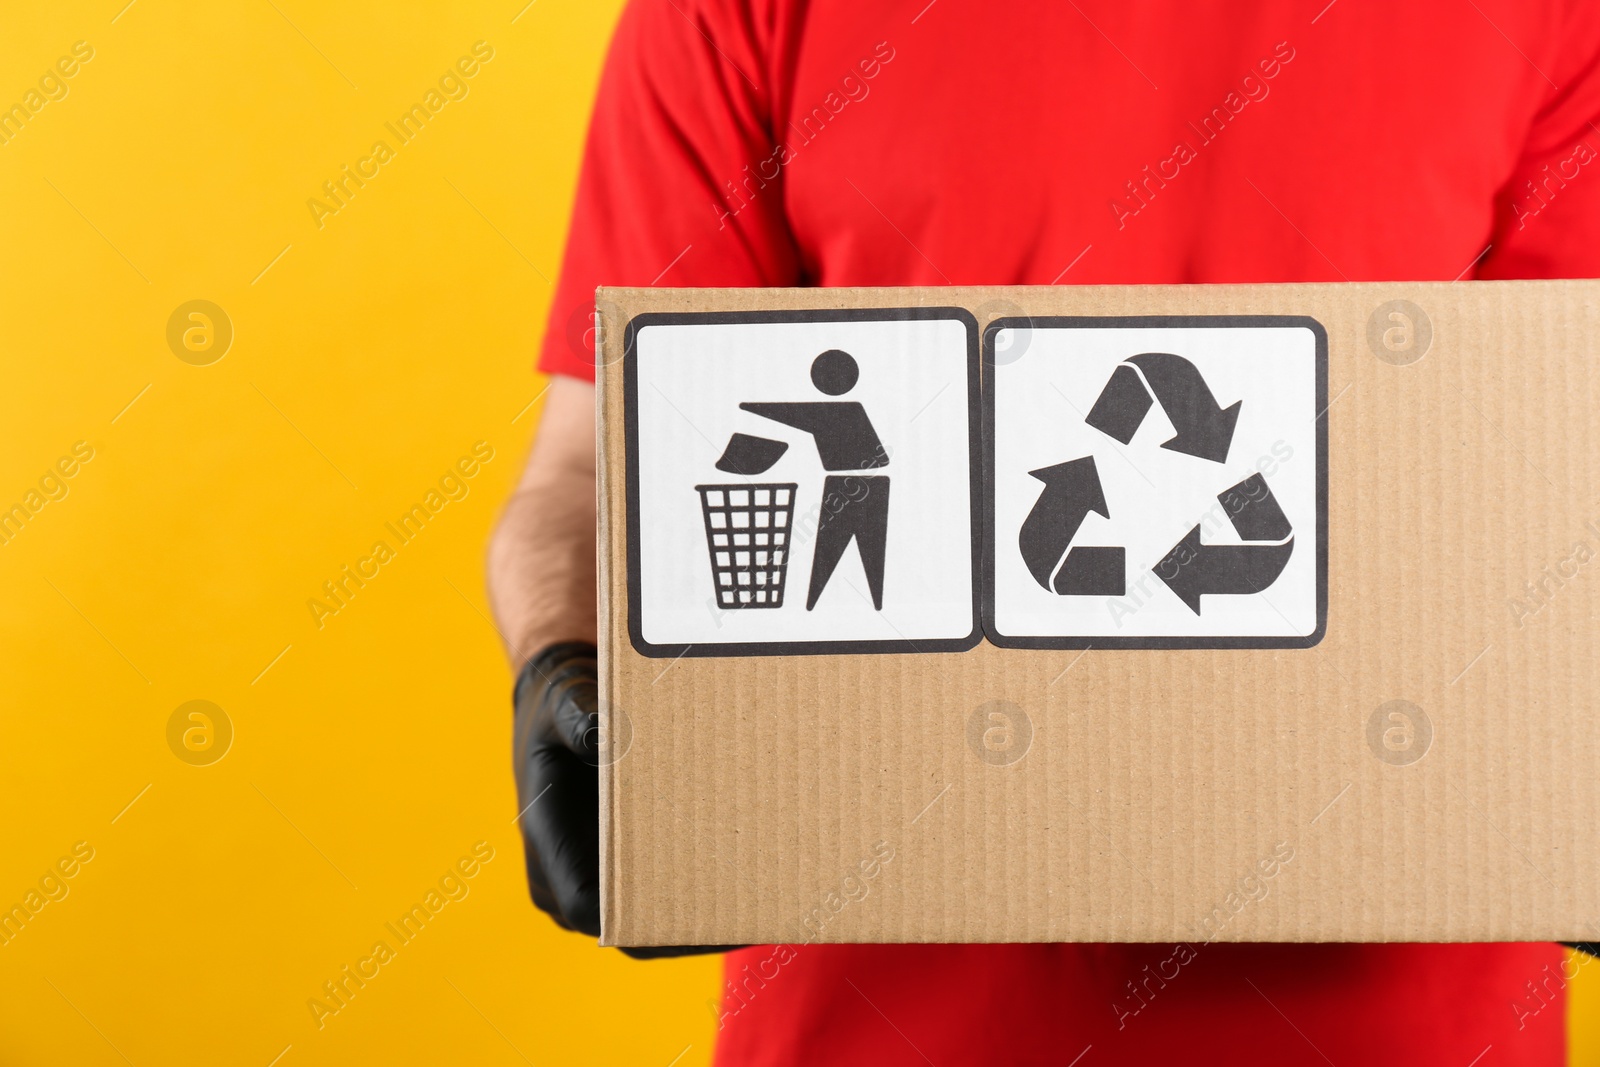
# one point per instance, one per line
(802, 482)
(1156, 482)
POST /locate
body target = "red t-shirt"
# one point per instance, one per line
(846, 142)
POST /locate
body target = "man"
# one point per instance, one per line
(776, 143)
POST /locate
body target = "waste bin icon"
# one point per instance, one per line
(747, 535)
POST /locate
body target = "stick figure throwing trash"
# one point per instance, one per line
(854, 505)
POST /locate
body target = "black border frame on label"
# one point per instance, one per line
(991, 631)
(975, 467)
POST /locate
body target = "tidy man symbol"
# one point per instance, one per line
(845, 441)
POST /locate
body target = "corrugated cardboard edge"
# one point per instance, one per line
(604, 607)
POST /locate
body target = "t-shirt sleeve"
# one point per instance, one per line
(1547, 218)
(680, 123)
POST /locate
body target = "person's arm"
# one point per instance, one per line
(541, 575)
(1547, 216)
(542, 554)
(804, 415)
(542, 591)
(678, 120)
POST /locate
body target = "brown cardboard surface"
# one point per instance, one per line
(1172, 795)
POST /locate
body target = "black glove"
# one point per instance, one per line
(555, 753)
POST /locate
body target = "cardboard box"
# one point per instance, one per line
(1205, 613)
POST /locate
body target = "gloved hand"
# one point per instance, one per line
(555, 753)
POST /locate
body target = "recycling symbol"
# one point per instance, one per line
(1192, 569)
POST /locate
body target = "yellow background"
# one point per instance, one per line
(179, 564)
(369, 355)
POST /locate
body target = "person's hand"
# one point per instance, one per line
(556, 755)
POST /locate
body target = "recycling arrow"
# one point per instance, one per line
(1192, 569)
(1205, 428)
(1071, 491)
